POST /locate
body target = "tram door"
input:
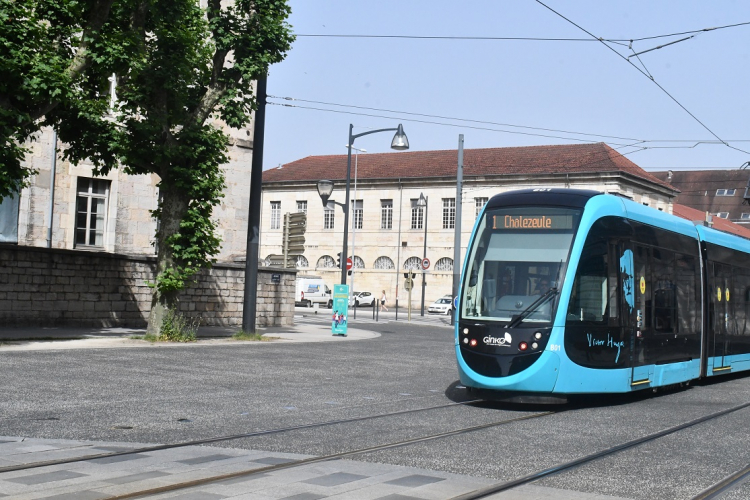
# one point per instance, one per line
(721, 319)
(640, 317)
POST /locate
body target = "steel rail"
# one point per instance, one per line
(198, 442)
(499, 487)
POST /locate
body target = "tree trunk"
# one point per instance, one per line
(174, 205)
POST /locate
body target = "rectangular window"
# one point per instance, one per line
(275, 215)
(725, 192)
(357, 214)
(302, 207)
(328, 215)
(91, 211)
(479, 203)
(449, 213)
(386, 214)
(745, 216)
(722, 215)
(417, 215)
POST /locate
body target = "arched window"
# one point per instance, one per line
(413, 263)
(326, 261)
(264, 262)
(357, 262)
(444, 264)
(267, 260)
(384, 263)
(302, 261)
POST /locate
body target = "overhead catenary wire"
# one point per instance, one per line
(641, 144)
(644, 74)
(516, 38)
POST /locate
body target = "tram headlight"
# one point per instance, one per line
(523, 346)
(538, 335)
(534, 345)
(466, 331)
(466, 340)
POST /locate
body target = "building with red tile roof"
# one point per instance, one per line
(387, 234)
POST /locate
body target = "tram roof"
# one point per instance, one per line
(527, 160)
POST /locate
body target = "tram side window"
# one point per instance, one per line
(588, 299)
(665, 294)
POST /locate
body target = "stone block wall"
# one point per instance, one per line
(56, 287)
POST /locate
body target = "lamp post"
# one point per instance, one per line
(422, 202)
(325, 187)
(354, 225)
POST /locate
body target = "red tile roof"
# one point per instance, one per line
(560, 159)
(719, 224)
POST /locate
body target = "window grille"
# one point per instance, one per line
(413, 264)
(384, 262)
(302, 207)
(444, 264)
(357, 262)
(326, 262)
(302, 261)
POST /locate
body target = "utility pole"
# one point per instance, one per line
(457, 233)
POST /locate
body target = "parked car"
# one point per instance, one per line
(443, 305)
(362, 299)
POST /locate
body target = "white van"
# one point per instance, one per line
(312, 290)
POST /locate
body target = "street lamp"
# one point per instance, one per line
(422, 203)
(400, 143)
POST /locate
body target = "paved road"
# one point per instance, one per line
(63, 401)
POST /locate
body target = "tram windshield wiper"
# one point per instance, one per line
(543, 299)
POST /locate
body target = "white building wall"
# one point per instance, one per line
(401, 242)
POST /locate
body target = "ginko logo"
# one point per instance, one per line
(504, 340)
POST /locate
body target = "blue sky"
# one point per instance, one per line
(498, 86)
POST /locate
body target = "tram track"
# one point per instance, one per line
(232, 437)
(712, 492)
(324, 458)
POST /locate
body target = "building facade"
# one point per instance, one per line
(387, 234)
(67, 207)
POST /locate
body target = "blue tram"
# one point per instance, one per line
(571, 291)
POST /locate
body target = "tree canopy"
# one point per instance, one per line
(179, 68)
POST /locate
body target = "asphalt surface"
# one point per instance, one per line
(163, 394)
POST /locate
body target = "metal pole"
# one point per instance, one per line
(457, 232)
(344, 254)
(354, 223)
(253, 216)
(52, 187)
(398, 242)
(424, 283)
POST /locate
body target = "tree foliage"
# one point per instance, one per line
(46, 57)
(179, 68)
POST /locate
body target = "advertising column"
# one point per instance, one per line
(340, 309)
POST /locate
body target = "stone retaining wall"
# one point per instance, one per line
(55, 287)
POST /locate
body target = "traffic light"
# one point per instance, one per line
(338, 260)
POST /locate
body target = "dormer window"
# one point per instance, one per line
(722, 215)
(725, 192)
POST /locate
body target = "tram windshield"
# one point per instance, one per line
(516, 264)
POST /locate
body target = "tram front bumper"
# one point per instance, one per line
(541, 376)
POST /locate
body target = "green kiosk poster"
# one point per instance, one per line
(340, 309)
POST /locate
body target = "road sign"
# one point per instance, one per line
(408, 284)
(294, 233)
(425, 263)
(349, 263)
